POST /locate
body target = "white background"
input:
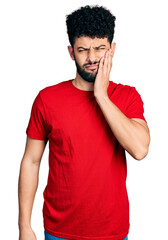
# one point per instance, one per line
(33, 55)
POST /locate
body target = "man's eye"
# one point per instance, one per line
(82, 50)
(86, 49)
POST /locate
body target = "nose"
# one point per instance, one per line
(91, 56)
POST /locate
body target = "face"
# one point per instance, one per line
(87, 53)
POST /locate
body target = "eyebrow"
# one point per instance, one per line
(94, 47)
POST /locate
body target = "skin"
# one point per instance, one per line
(133, 134)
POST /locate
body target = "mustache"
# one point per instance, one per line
(88, 64)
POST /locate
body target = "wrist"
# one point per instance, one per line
(100, 96)
(24, 226)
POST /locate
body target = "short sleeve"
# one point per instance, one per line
(135, 106)
(37, 125)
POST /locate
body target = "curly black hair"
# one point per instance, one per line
(90, 21)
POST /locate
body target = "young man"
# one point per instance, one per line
(89, 122)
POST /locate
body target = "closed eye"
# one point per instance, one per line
(99, 47)
(81, 50)
(86, 49)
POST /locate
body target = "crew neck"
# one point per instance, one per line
(91, 92)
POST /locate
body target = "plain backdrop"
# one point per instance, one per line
(34, 54)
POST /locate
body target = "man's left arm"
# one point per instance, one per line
(132, 133)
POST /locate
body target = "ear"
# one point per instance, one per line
(113, 46)
(70, 49)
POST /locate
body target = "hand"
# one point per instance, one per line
(102, 78)
(26, 233)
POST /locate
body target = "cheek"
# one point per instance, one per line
(78, 57)
(82, 61)
(102, 53)
(78, 60)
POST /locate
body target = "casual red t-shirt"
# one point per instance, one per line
(85, 196)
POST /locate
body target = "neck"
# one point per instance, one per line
(80, 83)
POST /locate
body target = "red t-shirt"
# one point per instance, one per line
(85, 196)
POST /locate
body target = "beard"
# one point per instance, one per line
(87, 76)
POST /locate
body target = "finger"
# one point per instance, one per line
(101, 63)
(106, 59)
(110, 62)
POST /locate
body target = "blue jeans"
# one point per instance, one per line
(51, 237)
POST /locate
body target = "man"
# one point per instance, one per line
(89, 122)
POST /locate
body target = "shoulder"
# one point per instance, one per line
(53, 89)
(120, 89)
(124, 95)
(54, 92)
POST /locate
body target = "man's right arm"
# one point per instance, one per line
(27, 186)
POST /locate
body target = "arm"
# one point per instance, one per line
(28, 182)
(132, 134)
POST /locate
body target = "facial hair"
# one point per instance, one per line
(87, 76)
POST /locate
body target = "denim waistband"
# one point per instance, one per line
(51, 237)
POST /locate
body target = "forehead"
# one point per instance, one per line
(88, 42)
